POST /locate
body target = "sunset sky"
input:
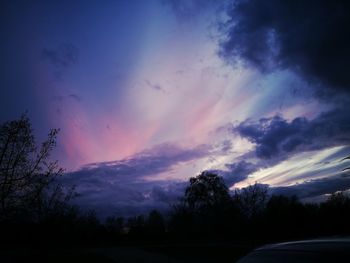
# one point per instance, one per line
(149, 93)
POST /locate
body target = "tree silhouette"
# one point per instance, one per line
(252, 199)
(155, 223)
(205, 191)
(115, 224)
(27, 176)
(335, 213)
(204, 209)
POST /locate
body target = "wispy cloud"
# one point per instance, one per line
(63, 56)
(186, 10)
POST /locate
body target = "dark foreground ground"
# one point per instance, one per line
(167, 253)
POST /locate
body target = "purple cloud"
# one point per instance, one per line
(276, 137)
(236, 172)
(120, 187)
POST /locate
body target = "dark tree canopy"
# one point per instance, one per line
(206, 190)
(156, 222)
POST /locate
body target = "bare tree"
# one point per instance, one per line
(27, 176)
(252, 199)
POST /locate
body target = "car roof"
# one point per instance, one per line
(332, 244)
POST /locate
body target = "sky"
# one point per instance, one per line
(147, 94)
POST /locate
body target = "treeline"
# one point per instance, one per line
(208, 212)
(35, 208)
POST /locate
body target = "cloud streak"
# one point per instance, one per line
(315, 188)
(158, 159)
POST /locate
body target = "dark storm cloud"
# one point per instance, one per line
(278, 137)
(63, 56)
(121, 185)
(311, 38)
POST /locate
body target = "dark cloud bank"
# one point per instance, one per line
(278, 137)
(311, 38)
(121, 187)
